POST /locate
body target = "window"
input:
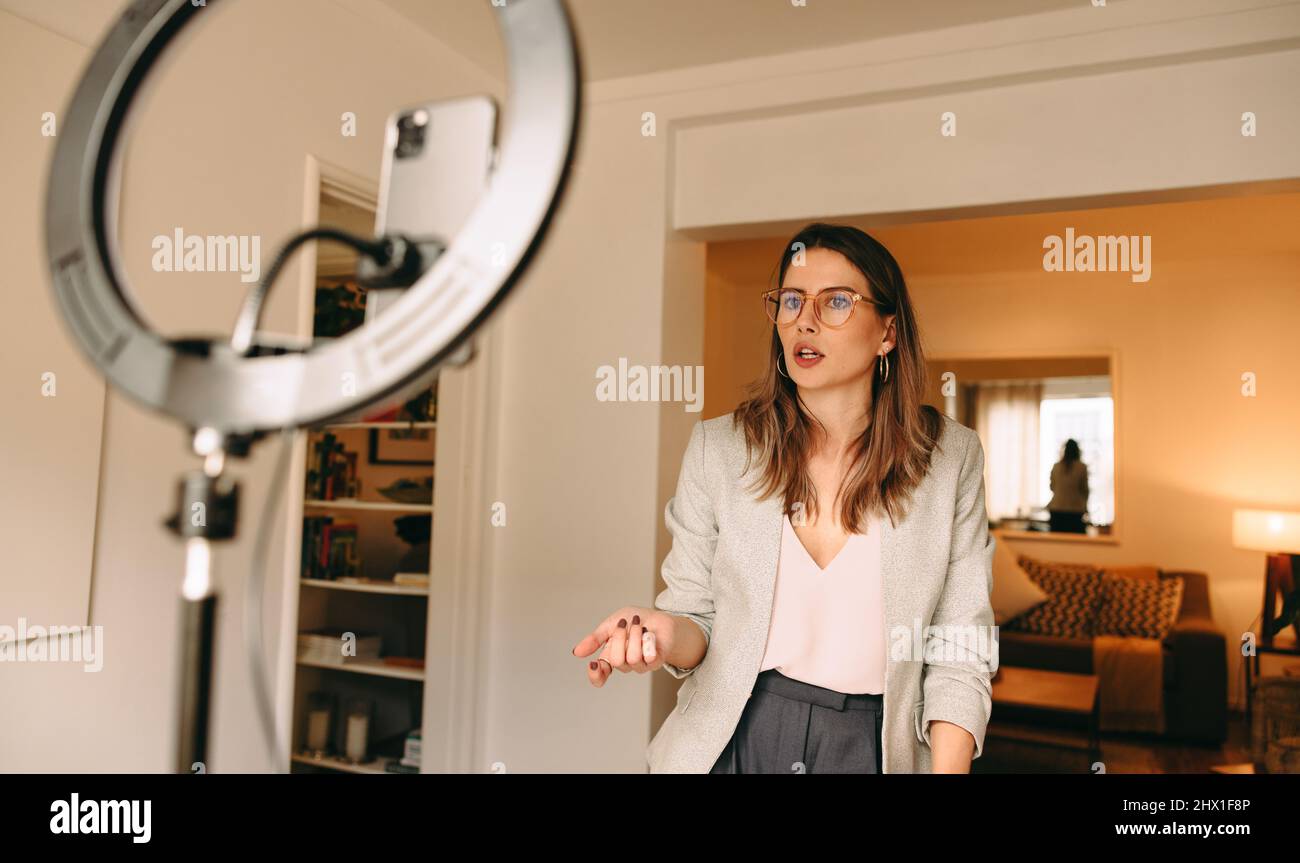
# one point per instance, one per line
(1089, 420)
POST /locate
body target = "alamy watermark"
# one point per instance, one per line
(179, 253)
(131, 817)
(972, 643)
(84, 644)
(1084, 254)
(651, 384)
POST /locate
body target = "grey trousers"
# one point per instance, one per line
(789, 726)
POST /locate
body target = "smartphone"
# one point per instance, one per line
(437, 159)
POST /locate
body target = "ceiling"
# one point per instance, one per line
(634, 37)
(82, 21)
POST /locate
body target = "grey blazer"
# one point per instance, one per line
(937, 574)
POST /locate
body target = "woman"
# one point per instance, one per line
(813, 637)
(1069, 483)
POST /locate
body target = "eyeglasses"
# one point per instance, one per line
(833, 308)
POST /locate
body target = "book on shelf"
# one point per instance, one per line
(405, 661)
(326, 645)
(338, 551)
(412, 579)
(332, 474)
(411, 751)
(421, 408)
(329, 548)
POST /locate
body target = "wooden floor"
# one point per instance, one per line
(1120, 753)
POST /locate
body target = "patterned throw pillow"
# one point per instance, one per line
(1142, 607)
(1073, 591)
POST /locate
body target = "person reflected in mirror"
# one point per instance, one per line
(1069, 483)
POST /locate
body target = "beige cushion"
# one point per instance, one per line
(1014, 592)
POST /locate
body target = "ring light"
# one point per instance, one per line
(204, 383)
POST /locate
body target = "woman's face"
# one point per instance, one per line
(848, 352)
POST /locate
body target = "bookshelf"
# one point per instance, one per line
(364, 498)
(368, 504)
(367, 512)
(441, 623)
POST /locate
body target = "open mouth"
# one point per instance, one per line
(806, 355)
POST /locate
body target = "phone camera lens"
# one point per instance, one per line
(410, 134)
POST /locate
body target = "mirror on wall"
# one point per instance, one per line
(1048, 428)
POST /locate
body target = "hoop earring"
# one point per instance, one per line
(778, 364)
(883, 367)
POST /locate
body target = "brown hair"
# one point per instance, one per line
(893, 453)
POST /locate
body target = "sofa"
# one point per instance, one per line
(1194, 653)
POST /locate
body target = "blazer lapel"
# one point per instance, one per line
(765, 526)
(892, 586)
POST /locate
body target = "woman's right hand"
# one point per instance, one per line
(635, 639)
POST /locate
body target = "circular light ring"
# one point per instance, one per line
(207, 385)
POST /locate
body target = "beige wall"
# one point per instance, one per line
(967, 373)
(49, 446)
(219, 146)
(738, 332)
(1070, 105)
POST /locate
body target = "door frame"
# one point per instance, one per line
(455, 647)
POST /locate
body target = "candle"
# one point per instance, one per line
(318, 729)
(358, 725)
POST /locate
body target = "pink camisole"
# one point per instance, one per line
(828, 626)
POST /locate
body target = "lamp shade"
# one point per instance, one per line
(1266, 530)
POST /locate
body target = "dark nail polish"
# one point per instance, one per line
(622, 623)
(593, 666)
(636, 619)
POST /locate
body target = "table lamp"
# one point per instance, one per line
(1278, 534)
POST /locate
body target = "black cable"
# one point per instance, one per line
(250, 314)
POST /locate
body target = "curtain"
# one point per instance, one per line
(1006, 418)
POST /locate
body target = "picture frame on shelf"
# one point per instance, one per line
(413, 446)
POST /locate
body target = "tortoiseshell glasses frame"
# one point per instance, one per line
(833, 308)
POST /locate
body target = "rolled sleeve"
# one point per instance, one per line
(706, 626)
(687, 570)
(961, 645)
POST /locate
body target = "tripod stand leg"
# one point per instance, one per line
(198, 622)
